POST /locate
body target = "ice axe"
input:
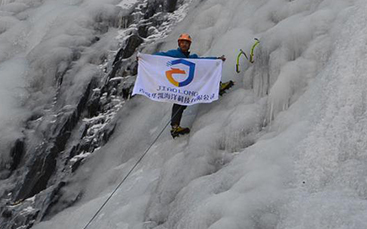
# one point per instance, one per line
(251, 59)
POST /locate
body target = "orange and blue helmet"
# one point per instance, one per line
(184, 37)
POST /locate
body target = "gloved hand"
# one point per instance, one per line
(223, 58)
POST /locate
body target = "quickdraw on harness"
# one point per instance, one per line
(251, 59)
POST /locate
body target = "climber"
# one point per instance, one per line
(184, 43)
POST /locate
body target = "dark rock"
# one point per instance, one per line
(44, 165)
(25, 221)
(54, 196)
(149, 12)
(7, 213)
(30, 123)
(40, 172)
(143, 31)
(131, 44)
(126, 92)
(76, 165)
(17, 153)
(61, 197)
(73, 152)
(126, 21)
(171, 5)
(125, 52)
(108, 133)
(93, 105)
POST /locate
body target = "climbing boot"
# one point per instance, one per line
(178, 130)
(225, 86)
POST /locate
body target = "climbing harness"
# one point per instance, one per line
(250, 59)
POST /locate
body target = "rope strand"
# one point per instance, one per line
(131, 170)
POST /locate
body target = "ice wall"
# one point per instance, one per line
(284, 149)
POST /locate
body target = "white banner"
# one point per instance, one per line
(177, 80)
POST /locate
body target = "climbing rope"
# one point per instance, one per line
(251, 59)
(131, 170)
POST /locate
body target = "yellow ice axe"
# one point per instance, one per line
(251, 59)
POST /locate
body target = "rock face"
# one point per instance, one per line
(171, 6)
(17, 153)
(42, 167)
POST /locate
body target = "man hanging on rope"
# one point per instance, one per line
(184, 43)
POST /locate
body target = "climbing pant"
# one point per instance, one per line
(177, 111)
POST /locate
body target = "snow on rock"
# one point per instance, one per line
(73, 101)
(127, 4)
(284, 149)
(38, 40)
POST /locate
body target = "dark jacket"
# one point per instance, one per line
(177, 53)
